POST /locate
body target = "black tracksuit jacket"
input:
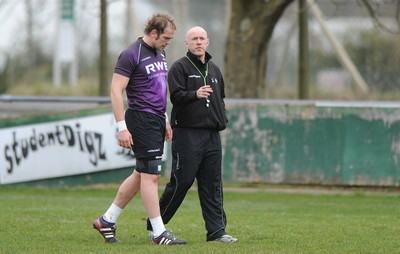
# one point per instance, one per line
(183, 81)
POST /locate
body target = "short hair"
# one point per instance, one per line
(159, 21)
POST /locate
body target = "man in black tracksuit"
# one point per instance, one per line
(196, 90)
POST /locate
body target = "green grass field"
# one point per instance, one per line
(50, 220)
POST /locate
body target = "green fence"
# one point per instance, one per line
(323, 143)
(288, 142)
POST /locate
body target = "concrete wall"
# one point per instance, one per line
(283, 142)
(306, 142)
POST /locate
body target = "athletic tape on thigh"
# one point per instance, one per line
(149, 165)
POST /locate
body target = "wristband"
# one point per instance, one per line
(121, 125)
(166, 117)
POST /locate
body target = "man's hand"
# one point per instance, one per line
(168, 132)
(204, 91)
(125, 139)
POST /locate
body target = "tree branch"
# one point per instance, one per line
(373, 15)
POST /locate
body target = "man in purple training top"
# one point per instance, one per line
(141, 71)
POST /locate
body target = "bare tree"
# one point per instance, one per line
(103, 68)
(251, 26)
(373, 7)
(31, 46)
(252, 23)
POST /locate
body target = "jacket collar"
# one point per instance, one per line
(197, 60)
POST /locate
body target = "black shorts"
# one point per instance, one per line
(148, 133)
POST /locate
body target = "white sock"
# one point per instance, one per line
(112, 213)
(158, 226)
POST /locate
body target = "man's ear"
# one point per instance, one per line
(154, 34)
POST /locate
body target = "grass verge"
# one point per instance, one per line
(53, 220)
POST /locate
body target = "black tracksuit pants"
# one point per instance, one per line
(197, 155)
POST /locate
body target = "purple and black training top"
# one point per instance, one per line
(147, 71)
